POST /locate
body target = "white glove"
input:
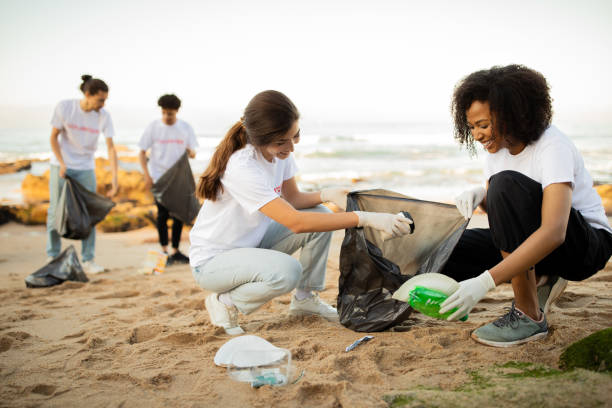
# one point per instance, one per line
(390, 225)
(470, 292)
(469, 200)
(336, 196)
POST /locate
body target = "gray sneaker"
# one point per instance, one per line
(511, 329)
(550, 291)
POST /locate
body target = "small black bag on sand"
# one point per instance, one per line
(65, 267)
(175, 190)
(79, 210)
(372, 269)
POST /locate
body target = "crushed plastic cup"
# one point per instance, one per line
(261, 367)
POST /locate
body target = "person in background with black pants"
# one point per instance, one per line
(168, 139)
(547, 223)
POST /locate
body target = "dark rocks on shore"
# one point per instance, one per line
(14, 167)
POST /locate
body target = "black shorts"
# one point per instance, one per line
(514, 203)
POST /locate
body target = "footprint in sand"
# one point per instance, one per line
(119, 295)
(43, 389)
(161, 379)
(571, 300)
(5, 343)
(145, 333)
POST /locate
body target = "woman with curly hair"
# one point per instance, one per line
(547, 223)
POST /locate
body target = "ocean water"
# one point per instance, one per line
(419, 160)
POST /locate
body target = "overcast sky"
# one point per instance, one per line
(337, 60)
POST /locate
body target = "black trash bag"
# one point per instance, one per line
(175, 190)
(65, 267)
(79, 210)
(372, 269)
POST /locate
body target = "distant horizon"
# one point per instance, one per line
(218, 119)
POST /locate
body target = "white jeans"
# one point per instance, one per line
(252, 276)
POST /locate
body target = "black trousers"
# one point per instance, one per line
(162, 227)
(514, 208)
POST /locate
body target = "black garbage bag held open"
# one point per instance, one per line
(79, 210)
(175, 190)
(372, 269)
(65, 267)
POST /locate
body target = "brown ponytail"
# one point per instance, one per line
(267, 117)
(210, 180)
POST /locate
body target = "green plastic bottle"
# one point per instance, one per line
(428, 301)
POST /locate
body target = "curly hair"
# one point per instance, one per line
(519, 101)
(169, 101)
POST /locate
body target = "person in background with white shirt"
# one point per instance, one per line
(76, 127)
(547, 223)
(168, 140)
(254, 217)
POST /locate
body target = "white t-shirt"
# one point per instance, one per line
(79, 132)
(553, 158)
(167, 144)
(234, 220)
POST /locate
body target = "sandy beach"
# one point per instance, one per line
(130, 340)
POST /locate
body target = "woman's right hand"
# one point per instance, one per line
(390, 225)
(62, 171)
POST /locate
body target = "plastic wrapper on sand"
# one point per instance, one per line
(79, 210)
(65, 267)
(175, 190)
(371, 269)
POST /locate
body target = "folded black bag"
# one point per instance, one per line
(372, 269)
(175, 190)
(79, 210)
(65, 267)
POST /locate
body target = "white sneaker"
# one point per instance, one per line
(92, 268)
(222, 315)
(312, 305)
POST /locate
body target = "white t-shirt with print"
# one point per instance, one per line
(553, 158)
(234, 220)
(79, 132)
(167, 144)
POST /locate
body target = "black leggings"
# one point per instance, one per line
(162, 227)
(514, 209)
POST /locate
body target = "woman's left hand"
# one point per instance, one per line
(336, 196)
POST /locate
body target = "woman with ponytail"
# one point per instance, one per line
(76, 127)
(254, 217)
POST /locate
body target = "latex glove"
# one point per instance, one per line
(390, 225)
(336, 196)
(470, 292)
(469, 200)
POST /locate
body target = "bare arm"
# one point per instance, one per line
(301, 221)
(556, 206)
(112, 156)
(483, 203)
(298, 199)
(55, 147)
(142, 158)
